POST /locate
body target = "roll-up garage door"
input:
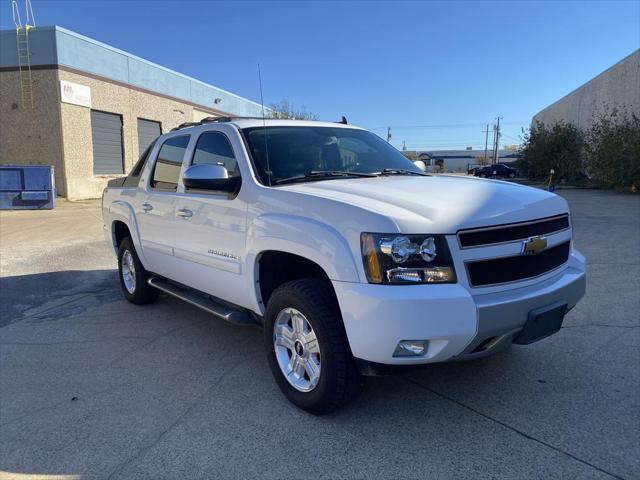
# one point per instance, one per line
(106, 130)
(148, 131)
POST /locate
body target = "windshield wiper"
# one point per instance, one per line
(320, 174)
(401, 171)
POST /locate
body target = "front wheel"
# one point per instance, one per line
(133, 276)
(512, 175)
(307, 347)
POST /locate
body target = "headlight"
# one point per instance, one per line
(406, 259)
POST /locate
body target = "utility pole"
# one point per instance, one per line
(497, 146)
(404, 146)
(493, 145)
(388, 134)
(486, 141)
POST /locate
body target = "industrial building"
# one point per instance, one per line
(89, 109)
(618, 87)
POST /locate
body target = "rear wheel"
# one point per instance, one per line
(133, 276)
(512, 175)
(307, 347)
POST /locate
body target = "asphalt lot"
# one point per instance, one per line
(94, 387)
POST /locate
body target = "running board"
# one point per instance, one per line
(238, 317)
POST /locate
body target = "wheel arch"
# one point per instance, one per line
(276, 267)
(123, 220)
(308, 242)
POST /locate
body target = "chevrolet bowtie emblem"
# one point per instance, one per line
(534, 245)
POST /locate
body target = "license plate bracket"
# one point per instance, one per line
(541, 323)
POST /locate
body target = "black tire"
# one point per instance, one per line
(142, 293)
(512, 175)
(339, 381)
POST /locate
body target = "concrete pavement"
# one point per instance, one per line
(94, 387)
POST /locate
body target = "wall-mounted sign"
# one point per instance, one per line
(75, 93)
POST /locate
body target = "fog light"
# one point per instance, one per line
(411, 348)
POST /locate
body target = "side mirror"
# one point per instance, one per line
(207, 176)
(421, 165)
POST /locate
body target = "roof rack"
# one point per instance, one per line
(228, 119)
(212, 120)
(185, 125)
(225, 119)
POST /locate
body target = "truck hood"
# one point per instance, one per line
(438, 204)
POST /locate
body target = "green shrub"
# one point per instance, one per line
(608, 153)
(613, 150)
(558, 147)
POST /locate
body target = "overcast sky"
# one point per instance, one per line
(434, 71)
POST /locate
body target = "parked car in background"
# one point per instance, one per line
(472, 168)
(351, 258)
(499, 170)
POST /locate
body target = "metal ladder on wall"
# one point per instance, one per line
(23, 52)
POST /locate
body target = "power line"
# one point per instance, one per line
(440, 145)
(511, 138)
(456, 125)
(447, 140)
(462, 147)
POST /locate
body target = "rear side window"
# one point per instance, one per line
(134, 176)
(214, 147)
(167, 169)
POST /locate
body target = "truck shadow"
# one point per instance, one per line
(54, 295)
(94, 294)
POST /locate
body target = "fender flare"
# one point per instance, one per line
(121, 211)
(305, 237)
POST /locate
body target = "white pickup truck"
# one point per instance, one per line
(351, 258)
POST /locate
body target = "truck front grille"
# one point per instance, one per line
(479, 237)
(514, 268)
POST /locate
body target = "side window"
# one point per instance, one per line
(167, 169)
(214, 147)
(134, 176)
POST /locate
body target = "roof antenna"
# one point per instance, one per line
(264, 128)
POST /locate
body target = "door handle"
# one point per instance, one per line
(185, 213)
(147, 207)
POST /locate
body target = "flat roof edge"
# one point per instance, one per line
(57, 45)
(142, 60)
(619, 62)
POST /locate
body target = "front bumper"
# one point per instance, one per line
(458, 324)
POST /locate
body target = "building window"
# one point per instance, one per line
(167, 169)
(108, 154)
(214, 147)
(148, 131)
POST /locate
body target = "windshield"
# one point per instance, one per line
(297, 151)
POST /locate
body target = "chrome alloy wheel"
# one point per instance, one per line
(297, 349)
(128, 272)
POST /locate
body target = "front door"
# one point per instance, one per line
(156, 215)
(211, 228)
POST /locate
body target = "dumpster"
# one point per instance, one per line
(26, 187)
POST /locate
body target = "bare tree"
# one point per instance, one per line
(285, 109)
(511, 148)
(482, 160)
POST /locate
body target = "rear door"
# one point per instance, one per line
(211, 227)
(156, 214)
